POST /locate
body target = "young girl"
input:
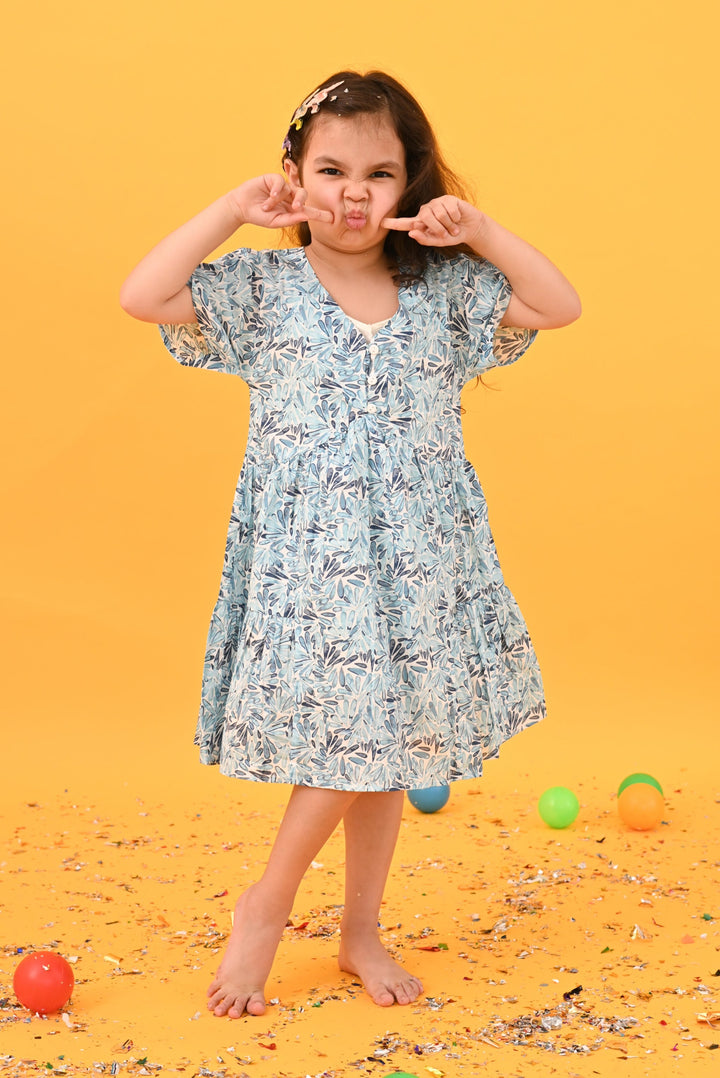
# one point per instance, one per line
(363, 642)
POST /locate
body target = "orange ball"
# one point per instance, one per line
(641, 806)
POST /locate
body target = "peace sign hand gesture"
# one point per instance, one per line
(442, 222)
(270, 202)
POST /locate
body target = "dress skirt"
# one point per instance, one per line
(363, 638)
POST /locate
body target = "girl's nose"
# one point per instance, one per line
(355, 191)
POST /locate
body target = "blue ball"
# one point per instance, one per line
(430, 799)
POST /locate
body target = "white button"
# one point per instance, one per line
(372, 378)
(372, 409)
(374, 349)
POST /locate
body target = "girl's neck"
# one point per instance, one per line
(344, 265)
(361, 284)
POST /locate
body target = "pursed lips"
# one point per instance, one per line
(355, 219)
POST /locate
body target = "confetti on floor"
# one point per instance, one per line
(532, 944)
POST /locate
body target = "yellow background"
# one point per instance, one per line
(589, 129)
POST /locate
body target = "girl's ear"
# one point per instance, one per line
(292, 172)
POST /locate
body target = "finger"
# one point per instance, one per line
(441, 220)
(400, 224)
(296, 217)
(453, 211)
(279, 192)
(299, 195)
(314, 214)
(278, 186)
(447, 224)
(431, 239)
(432, 232)
(288, 220)
(421, 236)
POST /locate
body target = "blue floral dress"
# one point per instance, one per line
(363, 638)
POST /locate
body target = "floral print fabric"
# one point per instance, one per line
(363, 637)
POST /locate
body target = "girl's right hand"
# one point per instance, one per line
(157, 291)
(268, 201)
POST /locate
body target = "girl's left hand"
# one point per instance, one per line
(442, 222)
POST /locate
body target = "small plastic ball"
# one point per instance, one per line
(638, 776)
(558, 807)
(431, 799)
(400, 1074)
(43, 982)
(641, 806)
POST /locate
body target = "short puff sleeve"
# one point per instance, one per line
(478, 296)
(224, 295)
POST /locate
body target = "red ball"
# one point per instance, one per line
(43, 982)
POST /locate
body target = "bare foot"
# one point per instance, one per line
(385, 980)
(239, 983)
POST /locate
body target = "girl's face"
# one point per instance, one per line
(353, 166)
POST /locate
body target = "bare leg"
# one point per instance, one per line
(262, 911)
(372, 823)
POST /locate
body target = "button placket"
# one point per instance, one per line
(373, 351)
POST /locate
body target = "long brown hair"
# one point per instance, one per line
(427, 173)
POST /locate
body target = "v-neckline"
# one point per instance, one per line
(330, 299)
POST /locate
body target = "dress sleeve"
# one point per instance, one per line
(223, 295)
(477, 300)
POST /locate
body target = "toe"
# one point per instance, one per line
(236, 1011)
(383, 996)
(215, 999)
(221, 1006)
(407, 991)
(256, 1004)
(235, 1006)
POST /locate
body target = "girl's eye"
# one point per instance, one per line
(380, 174)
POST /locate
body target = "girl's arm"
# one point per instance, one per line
(157, 289)
(542, 296)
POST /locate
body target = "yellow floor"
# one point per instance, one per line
(499, 915)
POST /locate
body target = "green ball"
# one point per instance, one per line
(639, 777)
(400, 1074)
(558, 806)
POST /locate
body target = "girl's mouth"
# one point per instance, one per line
(355, 220)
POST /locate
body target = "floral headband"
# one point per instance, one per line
(311, 104)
